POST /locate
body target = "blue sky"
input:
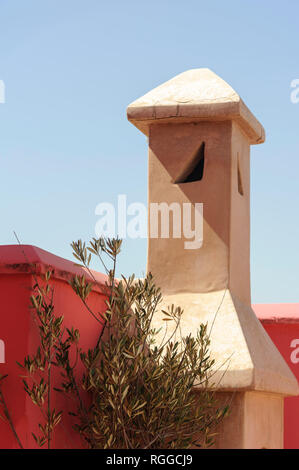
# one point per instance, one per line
(71, 68)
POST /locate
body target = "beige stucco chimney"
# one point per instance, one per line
(200, 133)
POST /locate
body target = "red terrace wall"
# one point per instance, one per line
(281, 321)
(19, 336)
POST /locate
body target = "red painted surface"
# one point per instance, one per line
(281, 321)
(19, 337)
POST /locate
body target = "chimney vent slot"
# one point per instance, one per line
(240, 184)
(195, 168)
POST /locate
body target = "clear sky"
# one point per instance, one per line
(70, 69)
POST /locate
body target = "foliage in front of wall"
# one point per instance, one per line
(39, 367)
(140, 383)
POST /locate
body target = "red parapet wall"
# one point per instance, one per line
(19, 267)
(281, 322)
(19, 337)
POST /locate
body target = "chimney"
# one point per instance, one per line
(199, 133)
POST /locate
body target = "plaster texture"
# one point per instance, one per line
(255, 421)
(212, 283)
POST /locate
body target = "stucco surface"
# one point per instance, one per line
(245, 357)
(197, 94)
(170, 149)
(255, 421)
(212, 283)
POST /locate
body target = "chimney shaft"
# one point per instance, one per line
(200, 133)
(223, 259)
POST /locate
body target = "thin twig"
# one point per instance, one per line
(9, 419)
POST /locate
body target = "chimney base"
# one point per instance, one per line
(255, 421)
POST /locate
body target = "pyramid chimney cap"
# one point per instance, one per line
(194, 95)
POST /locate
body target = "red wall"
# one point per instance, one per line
(281, 321)
(19, 337)
(19, 334)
